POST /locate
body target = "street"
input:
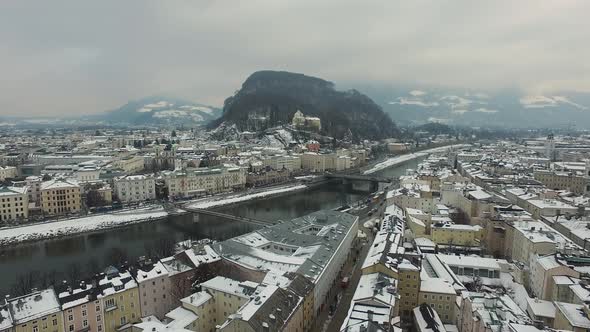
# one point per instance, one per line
(340, 298)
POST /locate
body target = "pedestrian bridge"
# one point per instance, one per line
(358, 177)
(258, 222)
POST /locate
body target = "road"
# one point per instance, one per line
(341, 298)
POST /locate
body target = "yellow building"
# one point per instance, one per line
(563, 181)
(120, 296)
(440, 295)
(60, 197)
(459, 235)
(571, 317)
(38, 311)
(228, 296)
(14, 203)
(409, 288)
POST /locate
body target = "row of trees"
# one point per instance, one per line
(74, 272)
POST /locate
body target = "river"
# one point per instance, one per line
(56, 259)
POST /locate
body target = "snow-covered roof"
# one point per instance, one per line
(33, 306)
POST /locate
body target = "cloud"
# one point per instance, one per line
(74, 57)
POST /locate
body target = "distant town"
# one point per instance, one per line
(480, 234)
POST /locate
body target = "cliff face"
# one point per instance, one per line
(271, 98)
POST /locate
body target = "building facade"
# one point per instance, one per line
(135, 188)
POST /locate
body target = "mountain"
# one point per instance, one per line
(160, 111)
(271, 98)
(507, 108)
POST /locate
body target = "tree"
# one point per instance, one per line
(116, 256)
(97, 133)
(24, 283)
(173, 133)
(46, 177)
(94, 198)
(92, 267)
(74, 272)
(181, 285)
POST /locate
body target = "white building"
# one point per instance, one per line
(135, 188)
(7, 172)
(201, 181)
(34, 188)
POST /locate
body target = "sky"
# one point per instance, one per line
(82, 57)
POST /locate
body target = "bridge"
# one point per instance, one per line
(364, 183)
(358, 177)
(258, 222)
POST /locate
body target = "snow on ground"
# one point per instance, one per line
(65, 227)
(213, 202)
(407, 157)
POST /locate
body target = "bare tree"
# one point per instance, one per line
(94, 199)
(164, 247)
(181, 285)
(24, 283)
(116, 256)
(74, 272)
(92, 267)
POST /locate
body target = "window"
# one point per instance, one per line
(123, 320)
(98, 318)
(54, 322)
(35, 328)
(99, 328)
(70, 318)
(85, 323)
(71, 328)
(83, 313)
(97, 308)
(110, 303)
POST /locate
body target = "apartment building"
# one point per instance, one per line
(60, 197)
(154, 290)
(456, 235)
(201, 181)
(135, 188)
(82, 310)
(571, 317)
(408, 289)
(120, 298)
(33, 183)
(8, 172)
(38, 311)
(543, 268)
(560, 180)
(14, 204)
(130, 164)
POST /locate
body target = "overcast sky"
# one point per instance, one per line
(73, 57)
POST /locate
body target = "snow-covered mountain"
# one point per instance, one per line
(161, 111)
(508, 108)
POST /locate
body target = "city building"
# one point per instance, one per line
(60, 197)
(15, 204)
(135, 188)
(38, 311)
(8, 172)
(202, 181)
(120, 298)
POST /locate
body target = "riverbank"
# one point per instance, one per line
(394, 161)
(206, 203)
(74, 226)
(68, 227)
